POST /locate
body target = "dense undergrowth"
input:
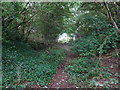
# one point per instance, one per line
(23, 64)
(93, 46)
(90, 49)
(86, 72)
(83, 69)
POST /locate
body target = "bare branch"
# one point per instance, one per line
(111, 18)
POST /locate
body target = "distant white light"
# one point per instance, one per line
(64, 38)
(26, 0)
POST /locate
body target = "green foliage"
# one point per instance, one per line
(88, 73)
(87, 47)
(113, 81)
(13, 16)
(31, 65)
(106, 74)
(98, 35)
(82, 69)
(51, 20)
(97, 38)
(93, 83)
(20, 20)
(96, 45)
(47, 20)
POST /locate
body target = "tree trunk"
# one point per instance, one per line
(111, 18)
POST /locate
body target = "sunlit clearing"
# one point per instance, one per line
(64, 38)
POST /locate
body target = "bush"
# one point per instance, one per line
(87, 47)
(96, 45)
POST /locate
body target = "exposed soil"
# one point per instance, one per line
(60, 79)
(112, 64)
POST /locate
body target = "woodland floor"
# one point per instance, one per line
(112, 64)
(60, 79)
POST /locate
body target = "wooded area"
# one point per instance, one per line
(34, 56)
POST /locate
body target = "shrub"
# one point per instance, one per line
(96, 45)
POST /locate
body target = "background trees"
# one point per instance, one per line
(50, 19)
(30, 31)
(15, 18)
(43, 22)
(21, 19)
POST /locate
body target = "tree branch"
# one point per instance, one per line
(23, 22)
(111, 18)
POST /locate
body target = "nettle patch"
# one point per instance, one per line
(22, 64)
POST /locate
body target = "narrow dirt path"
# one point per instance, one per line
(60, 79)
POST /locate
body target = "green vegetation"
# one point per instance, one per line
(95, 45)
(22, 62)
(97, 38)
(31, 53)
(83, 69)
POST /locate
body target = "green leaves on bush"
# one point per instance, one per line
(92, 45)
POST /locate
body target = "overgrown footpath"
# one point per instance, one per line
(24, 67)
(61, 78)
